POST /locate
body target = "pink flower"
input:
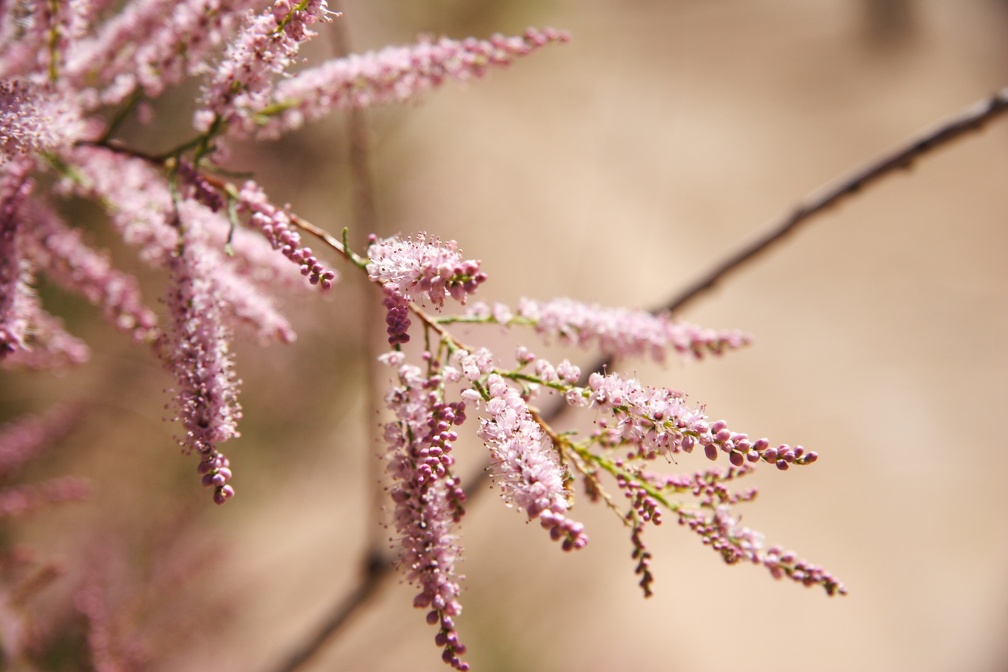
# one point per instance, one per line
(276, 225)
(428, 497)
(658, 421)
(394, 74)
(35, 118)
(423, 269)
(625, 332)
(59, 251)
(525, 465)
(17, 298)
(264, 48)
(197, 351)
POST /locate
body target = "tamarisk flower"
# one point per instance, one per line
(264, 48)
(423, 268)
(659, 421)
(393, 74)
(112, 64)
(428, 498)
(17, 298)
(60, 252)
(524, 464)
(275, 224)
(135, 194)
(722, 532)
(196, 350)
(619, 332)
(34, 118)
(418, 270)
(140, 204)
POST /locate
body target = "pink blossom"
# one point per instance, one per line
(275, 224)
(197, 351)
(23, 36)
(525, 465)
(394, 74)
(179, 36)
(423, 268)
(656, 421)
(59, 251)
(264, 48)
(623, 331)
(17, 298)
(135, 194)
(243, 300)
(428, 497)
(35, 118)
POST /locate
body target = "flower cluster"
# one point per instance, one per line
(615, 332)
(428, 498)
(656, 421)
(275, 224)
(524, 464)
(196, 350)
(34, 119)
(264, 48)
(393, 74)
(423, 269)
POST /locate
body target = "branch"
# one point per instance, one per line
(902, 158)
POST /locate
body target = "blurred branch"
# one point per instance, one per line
(379, 565)
(365, 222)
(902, 158)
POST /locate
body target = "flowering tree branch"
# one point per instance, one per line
(71, 74)
(378, 565)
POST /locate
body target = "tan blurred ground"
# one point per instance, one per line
(616, 168)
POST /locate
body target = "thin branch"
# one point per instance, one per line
(378, 569)
(902, 158)
(365, 221)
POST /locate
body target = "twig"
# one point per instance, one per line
(971, 119)
(902, 158)
(365, 221)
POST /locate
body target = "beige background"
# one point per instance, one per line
(616, 169)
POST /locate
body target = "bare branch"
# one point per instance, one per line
(901, 158)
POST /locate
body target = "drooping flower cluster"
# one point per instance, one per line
(524, 464)
(60, 251)
(428, 497)
(196, 350)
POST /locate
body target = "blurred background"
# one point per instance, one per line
(616, 169)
